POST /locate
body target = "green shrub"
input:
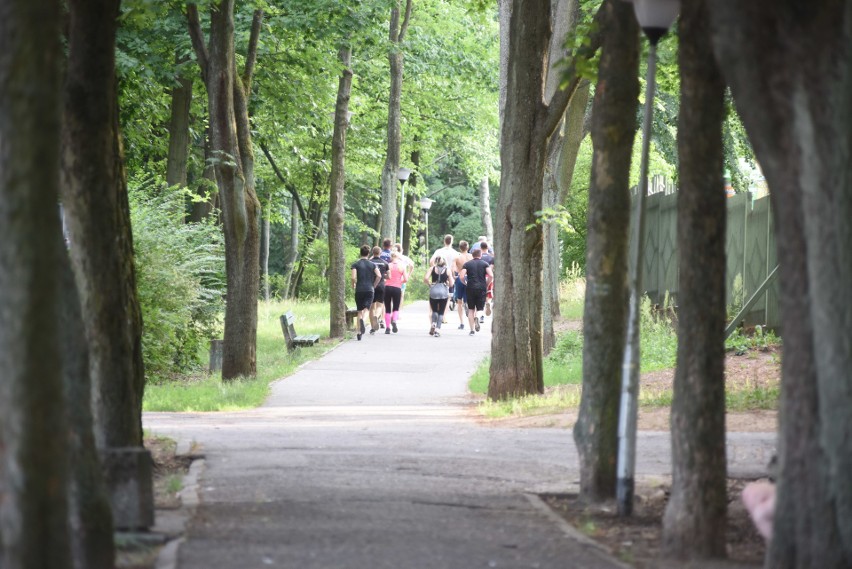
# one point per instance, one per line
(180, 278)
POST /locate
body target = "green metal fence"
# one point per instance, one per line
(750, 251)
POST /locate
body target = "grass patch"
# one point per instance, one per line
(201, 392)
(752, 397)
(563, 367)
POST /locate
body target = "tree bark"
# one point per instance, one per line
(485, 209)
(695, 518)
(410, 197)
(94, 193)
(336, 215)
(528, 123)
(179, 130)
(795, 107)
(201, 210)
(389, 171)
(264, 252)
(558, 176)
(34, 457)
(233, 157)
(90, 512)
(605, 312)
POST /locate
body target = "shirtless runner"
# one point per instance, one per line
(460, 294)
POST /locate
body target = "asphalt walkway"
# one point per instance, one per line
(371, 457)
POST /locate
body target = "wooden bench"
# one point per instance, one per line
(351, 315)
(293, 341)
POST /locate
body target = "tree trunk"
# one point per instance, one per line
(34, 456)
(264, 253)
(556, 187)
(605, 311)
(292, 249)
(695, 518)
(230, 142)
(90, 513)
(565, 14)
(94, 194)
(516, 363)
(201, 210)
(528, 123)
(795, 107)
(485, 209)
(389, 171)
(410, 198)
(179, 130)
(336, 215)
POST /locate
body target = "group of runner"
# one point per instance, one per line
(460, 279)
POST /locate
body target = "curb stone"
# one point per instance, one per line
(189, 498)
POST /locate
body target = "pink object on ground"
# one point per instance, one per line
(759, 500)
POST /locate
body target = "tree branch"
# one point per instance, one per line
(197, 37)
(251, 54)
(555, 109)
(405, 20)
(283, 180)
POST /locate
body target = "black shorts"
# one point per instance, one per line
(475, 298)
(363, 299)
(379, 294)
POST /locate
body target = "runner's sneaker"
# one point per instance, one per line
(359, 336)
(363, 328)
(437, 334)
(488, 309)
(393, 325)
(461, 326)
(432, 330)
(481, 319)
(477, 326)
(453, 304)
(472, 333)
(387, 330)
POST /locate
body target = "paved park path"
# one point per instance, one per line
(371, 457)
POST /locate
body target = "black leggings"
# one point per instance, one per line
(393, 297)
(438, 304)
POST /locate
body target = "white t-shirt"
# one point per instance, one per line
(448, 253)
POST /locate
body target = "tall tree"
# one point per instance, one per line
(94, 194)
(336, 214)
(396, 36)
(559, 174)
(565, 15)
(528, 121)
(90, 513)
(605, 311)
(181, 95)
(485, 208)
(789, 66)
(233, 157)
(695, 518)
(33, 462)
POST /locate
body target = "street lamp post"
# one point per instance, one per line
(654, 17)
(402, 174)
(425, 204)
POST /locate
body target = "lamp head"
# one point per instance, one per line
(426, 203)
(402, 174)
(655, 17)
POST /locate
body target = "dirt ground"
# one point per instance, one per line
(637, 540)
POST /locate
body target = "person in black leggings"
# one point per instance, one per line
(439, 279)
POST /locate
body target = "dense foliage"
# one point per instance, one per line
(180, 271)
